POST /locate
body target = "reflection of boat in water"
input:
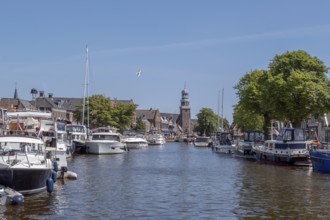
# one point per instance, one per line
(202, 141)
(23, 164)
(223, 143)
(244, 148)
(104, 141)
(156, 139)
(291, 147)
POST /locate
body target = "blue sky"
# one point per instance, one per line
(206, 46)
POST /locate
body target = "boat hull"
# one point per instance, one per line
(99, 147)
(320, 160)
(25, 180)
(294, 159)
(79, 146)
(224, 149)
(136, 145)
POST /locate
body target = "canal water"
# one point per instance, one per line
(179, 181)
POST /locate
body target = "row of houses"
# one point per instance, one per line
(63, 108)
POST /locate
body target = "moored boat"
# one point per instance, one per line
(202, 141)
(223, 143)
(8, 196)
(24, 166)
(135, 142)
(244, 148)
(77, 136)
(156, 139)
(320, 159)
(290, 147)
(104, 141)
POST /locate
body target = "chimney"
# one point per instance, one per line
(50, 95)
(41, 93)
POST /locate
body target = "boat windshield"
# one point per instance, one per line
(75, 129)
(105, 137)
(202, 139)
(20, 147)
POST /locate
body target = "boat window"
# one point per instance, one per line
(112, 137)
(287, 135)
(299, 135)
(60, 126)
(201, 139)
(105, 137)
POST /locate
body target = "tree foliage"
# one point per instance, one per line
(208, 122)
(103, 113)
(299, 87)
(140, 126)
(246, 119)
(121, 115)
(294, 87)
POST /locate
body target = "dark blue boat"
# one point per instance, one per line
(320, 159)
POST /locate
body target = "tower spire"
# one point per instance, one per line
(15, 93)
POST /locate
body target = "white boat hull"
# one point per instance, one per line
(104, 147)
(224, 149)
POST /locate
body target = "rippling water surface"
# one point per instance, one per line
(179, 181)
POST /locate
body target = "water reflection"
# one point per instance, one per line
(179, 181)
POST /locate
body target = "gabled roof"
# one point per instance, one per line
(20, 103)
(68, 104)
(171, 116)
(148, 114)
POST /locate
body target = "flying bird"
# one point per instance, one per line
(138, 73)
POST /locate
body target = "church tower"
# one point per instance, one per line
(185, 113)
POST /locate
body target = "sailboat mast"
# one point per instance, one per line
(218, 121)
(222, 110)
(86, 91)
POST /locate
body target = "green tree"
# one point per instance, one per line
(102, 113)
(140, 126)
(207, 122)
(294, 88)
(254, 109)
(298, 86)
(99, 108)
(247, 120)
(122, 115)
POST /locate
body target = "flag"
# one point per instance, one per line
(18, 126)
(275, 131)
(316, 137)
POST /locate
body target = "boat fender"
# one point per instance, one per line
(55, 164)
(17, 199)
(54, 176)
(50, 185)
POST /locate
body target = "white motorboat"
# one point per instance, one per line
(55, 137)
(77, 136)
(24, 166)
(105, 142)
(202, 141)
(223, 143)
(136, 142)
(156, 139)
(252, 138)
